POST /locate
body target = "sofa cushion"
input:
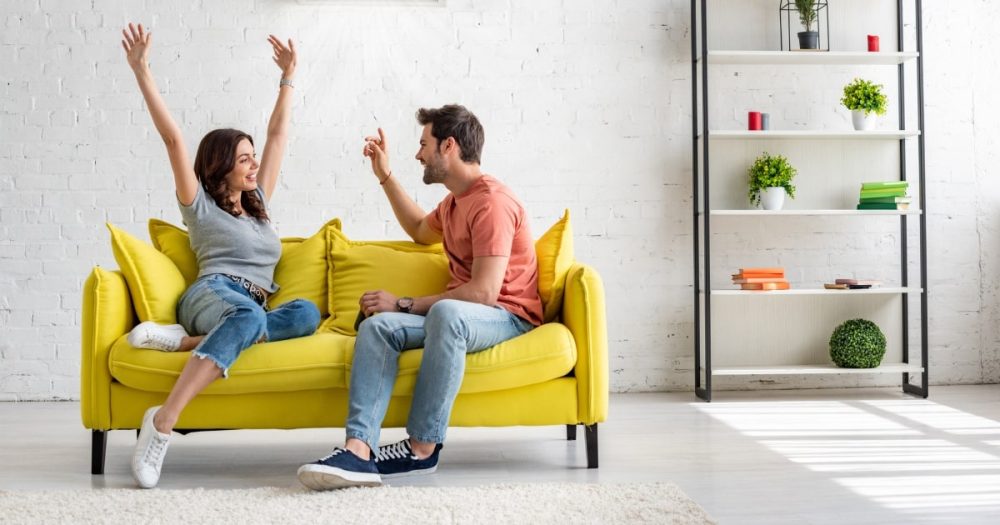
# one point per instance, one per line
(300, 273)
(554, 251)
(322, 361)
(153, 280)
(306, 363)
(545, 353)
(399, 267)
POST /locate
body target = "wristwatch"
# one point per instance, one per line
(404, 304)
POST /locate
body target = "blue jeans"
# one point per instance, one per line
(450, 330)
(231, 321)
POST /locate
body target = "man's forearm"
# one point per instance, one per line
(407, 211)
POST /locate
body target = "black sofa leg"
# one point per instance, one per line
(570, 432)
(98, 448)
(590, 431)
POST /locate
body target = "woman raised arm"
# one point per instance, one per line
(277, 128)
(136, 43)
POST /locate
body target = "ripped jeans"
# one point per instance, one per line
(231, 320)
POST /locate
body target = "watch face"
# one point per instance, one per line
(404, 304)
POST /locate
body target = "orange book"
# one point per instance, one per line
(745, 271)
(765, 286)
(749, 280)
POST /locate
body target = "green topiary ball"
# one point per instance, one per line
(857, 343)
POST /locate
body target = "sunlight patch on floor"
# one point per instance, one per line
(907, 455)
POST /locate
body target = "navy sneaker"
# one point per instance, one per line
(397, 460)
(340, 470)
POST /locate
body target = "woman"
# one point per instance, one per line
(223, 202)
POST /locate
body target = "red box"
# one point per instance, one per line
(753, 121)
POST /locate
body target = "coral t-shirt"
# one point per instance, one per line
(488, 220)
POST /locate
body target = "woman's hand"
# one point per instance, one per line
(377, 149)
(136, 44)
(284, 56)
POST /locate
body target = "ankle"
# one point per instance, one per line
(422, 450)
(359, 448)
(189, 342)
(162, 423)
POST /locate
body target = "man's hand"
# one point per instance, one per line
(377, 301)
(284, 56)
(377, 149)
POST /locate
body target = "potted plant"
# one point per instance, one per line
(808, 13)
(865, 100)
(770, 179)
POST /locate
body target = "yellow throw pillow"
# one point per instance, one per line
(301, 272)
(175, 244)
(153, 280)
(554, 251)
(400, 267)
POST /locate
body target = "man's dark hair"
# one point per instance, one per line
(455, 121)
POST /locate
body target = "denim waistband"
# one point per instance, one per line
(255, 291)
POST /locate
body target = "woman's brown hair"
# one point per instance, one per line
(215, 159)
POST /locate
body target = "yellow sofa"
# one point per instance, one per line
(556, 374)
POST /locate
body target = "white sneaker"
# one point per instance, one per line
(166, 337)
(149, 452)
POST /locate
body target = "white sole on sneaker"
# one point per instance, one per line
(410, 473)
(322, 477)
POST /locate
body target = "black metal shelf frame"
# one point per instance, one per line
(701, 219)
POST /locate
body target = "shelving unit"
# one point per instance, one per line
(739, 351)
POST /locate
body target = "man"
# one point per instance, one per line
(492, 297)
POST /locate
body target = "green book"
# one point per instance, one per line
(869, 194)
(885, 200)
(884, 185)
(878, 206)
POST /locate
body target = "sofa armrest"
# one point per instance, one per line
(107, 315)
(583, 313)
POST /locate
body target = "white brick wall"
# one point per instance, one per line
(586, 105)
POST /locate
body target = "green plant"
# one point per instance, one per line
(858, 343)
(807, 12)
(862, 95)
(770, 171)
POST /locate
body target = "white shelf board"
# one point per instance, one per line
(771, 134)
(829, 369)
(820, 58)
(758, 213)
(877, 290)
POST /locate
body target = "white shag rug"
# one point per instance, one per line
(660, 503)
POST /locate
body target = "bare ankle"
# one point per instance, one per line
(190, 342)
(162, 424)
(422, 450)
(359, 448)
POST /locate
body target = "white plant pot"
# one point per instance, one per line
(772, 198)
(862, 121)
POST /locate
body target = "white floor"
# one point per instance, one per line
(802, 457)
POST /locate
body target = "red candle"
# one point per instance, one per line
(753, 121)
(872, 42)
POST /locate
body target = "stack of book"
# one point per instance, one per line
(761, 279)
(851, 284)
(889, 195)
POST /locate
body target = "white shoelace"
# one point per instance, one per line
(395, 451)
(335, 452)
(154, 453)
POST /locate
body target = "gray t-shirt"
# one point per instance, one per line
(241, 246)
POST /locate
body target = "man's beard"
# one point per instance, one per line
(433, 174)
